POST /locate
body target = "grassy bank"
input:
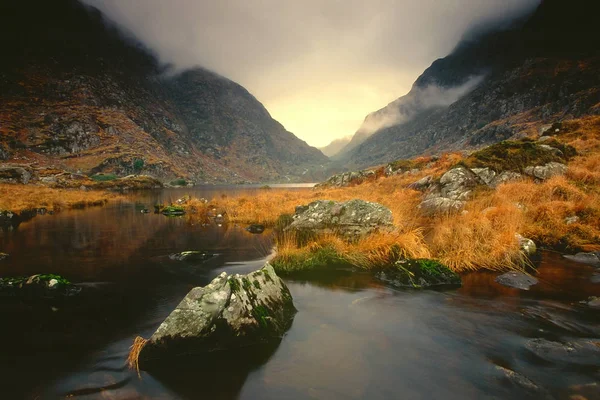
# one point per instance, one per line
(19, 198)
(562, 212)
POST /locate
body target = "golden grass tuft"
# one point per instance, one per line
(134, 353)
(18, 198)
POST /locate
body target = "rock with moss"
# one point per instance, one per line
(418, 274)
(193, 255)
(351, 219)
(38, 287)
(233, 311)
(172, 211)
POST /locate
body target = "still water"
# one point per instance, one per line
(352, 337)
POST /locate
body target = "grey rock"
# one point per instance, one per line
(585, 258)
(418, 274)
(593, 302)
(440, 205)
(230, 312)
(571, 220)
(546, 171)
(551, 149)
(3, 256)
(487, 175)
(457, 183)
(353, 218)
(517, 280)
(583, 352)
(503, 177)
(422, 184)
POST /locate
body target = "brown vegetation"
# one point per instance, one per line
(481, 237)
(18, 198)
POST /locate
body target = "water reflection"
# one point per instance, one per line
(352, 338)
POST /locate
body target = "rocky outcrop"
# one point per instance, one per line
(418, 274)
(231, 312)
(351, 219)
(348, 178)
(15, 173)
(517, 280)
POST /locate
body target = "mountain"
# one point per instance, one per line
(335, 146)
(495, 85)
(77, 94)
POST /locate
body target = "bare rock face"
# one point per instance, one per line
(351, 219)
(231, 312)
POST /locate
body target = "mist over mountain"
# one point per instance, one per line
(507, 83)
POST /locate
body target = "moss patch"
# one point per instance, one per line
(517, 155)
(307, 261)
(173, 210)
(419, 273)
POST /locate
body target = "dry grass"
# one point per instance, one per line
(481, 237)
(18, 198)
(134, 353)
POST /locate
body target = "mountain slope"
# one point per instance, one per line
(539, 72)
(75, 94)
(335, 146)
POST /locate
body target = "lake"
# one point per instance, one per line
(352, 338)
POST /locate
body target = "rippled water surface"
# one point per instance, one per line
(352, 338)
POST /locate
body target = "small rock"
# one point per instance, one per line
(422, 184)
(256, 228)
(582, 352)
(440, 205)
(571, 220)
(593, 302)
(3, 256)
(503, 177)
(527, 245)
(523, 382)
(191, 256)
(546, 171)
(487, 175)
(517, 280)
(585, 258)
(418, 273)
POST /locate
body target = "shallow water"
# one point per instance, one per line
(352, 338)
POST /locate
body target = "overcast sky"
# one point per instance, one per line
(319, 66)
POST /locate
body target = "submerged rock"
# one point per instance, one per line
(523, 382)
(3, 256)
(173, 211)
(256, 228)
(230, 312)
(584, 352)
(593, 302)
(517, 280)
(418, 273)
(193, 255)
(38, 287)
(585, 258)
(353, 218)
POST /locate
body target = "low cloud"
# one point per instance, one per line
(419, 99)
(319, 66)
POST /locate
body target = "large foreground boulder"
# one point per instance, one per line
(231, 312)
(350, 219)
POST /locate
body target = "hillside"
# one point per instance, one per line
(497, 85)
(75, 94)
(333, 148)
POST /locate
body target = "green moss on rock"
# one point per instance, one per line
(419, 273)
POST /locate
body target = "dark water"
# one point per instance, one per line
(351, 339)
